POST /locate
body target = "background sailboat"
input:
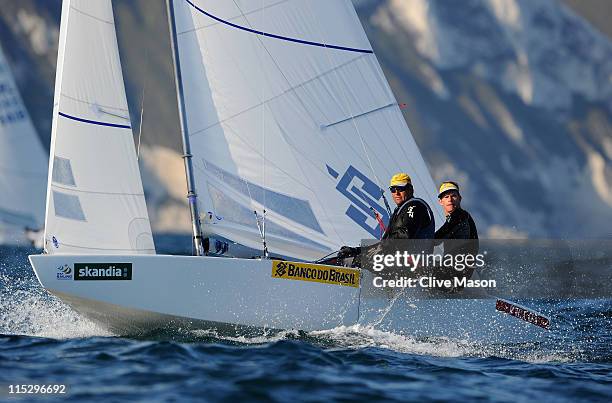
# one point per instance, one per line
(23, 166)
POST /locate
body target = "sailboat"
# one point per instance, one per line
(23, 167)
(288, 126)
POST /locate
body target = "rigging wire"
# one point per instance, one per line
(261, 233)
(263, 136)
(262, 228)
(144, 87)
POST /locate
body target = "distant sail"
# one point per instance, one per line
(95, 200)
(23, 162)
(288, 108)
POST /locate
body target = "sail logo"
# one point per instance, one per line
(102, 271)
(64, 273)
(364, 196)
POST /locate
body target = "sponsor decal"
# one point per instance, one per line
(55, 242)
(64, 272)
(522, 313)
(102, 271)
(362, 193)
(315, 273)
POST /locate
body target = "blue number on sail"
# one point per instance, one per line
(363, 194)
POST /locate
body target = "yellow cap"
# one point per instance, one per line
(400, 179)
(446, 186)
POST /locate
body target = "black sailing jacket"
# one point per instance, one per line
(412, 219)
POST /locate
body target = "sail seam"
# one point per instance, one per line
(272, 163)
(98, 248)
(285, 92)
(55, 185)
(93, 122)
(233, 18)
(91, 103)
(92, 16)
(274, 36)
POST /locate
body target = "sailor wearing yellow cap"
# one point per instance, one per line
(459, 223)
(456, 233)
(411, 219)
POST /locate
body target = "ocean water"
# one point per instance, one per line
(44, 342)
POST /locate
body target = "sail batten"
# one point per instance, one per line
(61, 187)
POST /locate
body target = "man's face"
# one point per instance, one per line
(450, 201)
(400, 194)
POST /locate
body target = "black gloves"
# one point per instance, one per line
(347, 251)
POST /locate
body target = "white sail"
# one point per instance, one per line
(23, 163)
(288, 109)
(95, 200)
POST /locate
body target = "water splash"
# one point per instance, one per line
(268, 336)
(359, 336)
(27, 309)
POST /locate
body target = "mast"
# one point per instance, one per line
(192, 196)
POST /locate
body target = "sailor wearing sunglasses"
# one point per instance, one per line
(411, 219)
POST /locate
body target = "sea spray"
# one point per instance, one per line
(27, 309)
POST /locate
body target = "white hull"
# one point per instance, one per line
(241, 295)
(231, 291)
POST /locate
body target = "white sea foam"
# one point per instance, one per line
(359, 336)
(27, 309)
(267, 337)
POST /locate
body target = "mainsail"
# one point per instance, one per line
(23, 161)
(288, 110)
(95, 200)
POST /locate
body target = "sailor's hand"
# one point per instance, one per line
(347, 251)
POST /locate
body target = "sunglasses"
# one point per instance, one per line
(397, 189)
